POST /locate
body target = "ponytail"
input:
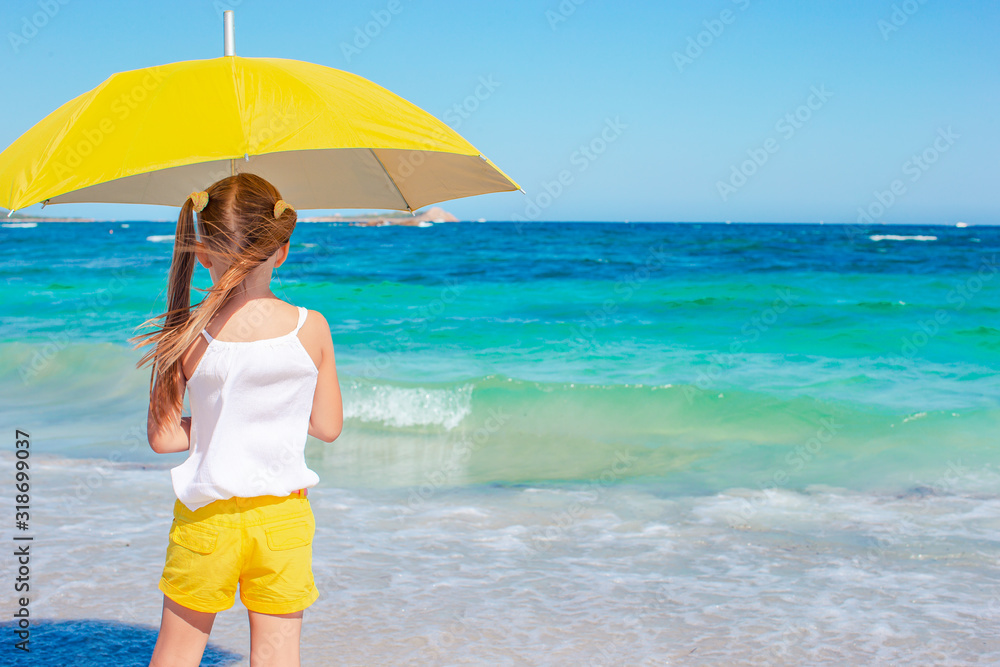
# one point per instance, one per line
(166, 396)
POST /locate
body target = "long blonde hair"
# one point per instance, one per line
(237, 225)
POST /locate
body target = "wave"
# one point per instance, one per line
(671, 438)
(89, 400)
(398, 406)
(894, 237)
(161, 238)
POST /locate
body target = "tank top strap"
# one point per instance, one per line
(208, 336)
(303, 312)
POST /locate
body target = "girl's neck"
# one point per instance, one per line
(240, 298)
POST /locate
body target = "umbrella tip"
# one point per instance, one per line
(229, 36)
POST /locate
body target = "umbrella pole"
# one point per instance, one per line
(229, 49)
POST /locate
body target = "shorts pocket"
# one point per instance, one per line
(193, 536)
(289, 535)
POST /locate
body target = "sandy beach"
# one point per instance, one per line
(501, 576)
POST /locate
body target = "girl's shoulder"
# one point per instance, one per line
(315, 335)
(315, 323)
(314, 318)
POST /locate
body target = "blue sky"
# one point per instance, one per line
(715, 110)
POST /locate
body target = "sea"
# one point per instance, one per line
(564, 444)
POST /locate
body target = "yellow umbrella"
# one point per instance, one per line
(325, 138)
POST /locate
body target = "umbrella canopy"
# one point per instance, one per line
(324, 137)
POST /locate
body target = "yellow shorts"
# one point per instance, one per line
(263, 543)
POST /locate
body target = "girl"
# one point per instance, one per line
(261, 375)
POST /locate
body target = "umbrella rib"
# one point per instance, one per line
(398, 191)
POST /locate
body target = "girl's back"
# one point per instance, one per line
(251, 403)
(273, 319)
(259, 319)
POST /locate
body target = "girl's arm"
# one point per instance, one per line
(174, 435)
(327, 417)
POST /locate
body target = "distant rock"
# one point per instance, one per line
(436, 214)
(433, 215)
(22, 218)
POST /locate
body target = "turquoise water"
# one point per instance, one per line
(564, 444)
(716, 356)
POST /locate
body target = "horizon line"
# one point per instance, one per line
(19, 221)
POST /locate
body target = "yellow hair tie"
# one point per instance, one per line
(199, 200)
(280, 207)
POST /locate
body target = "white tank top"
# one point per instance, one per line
(250, 407)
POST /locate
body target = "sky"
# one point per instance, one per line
(698, 111)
